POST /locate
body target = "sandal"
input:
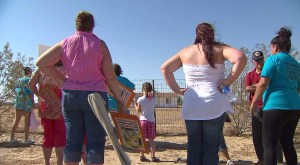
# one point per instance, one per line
(155, 159)
(143, 159)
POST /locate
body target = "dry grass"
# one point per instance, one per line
(169, 148)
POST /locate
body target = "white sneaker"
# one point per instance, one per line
(29, 142)
(229, 162)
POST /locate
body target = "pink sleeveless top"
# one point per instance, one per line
(82, 59)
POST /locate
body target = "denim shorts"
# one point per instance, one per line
(80, 121)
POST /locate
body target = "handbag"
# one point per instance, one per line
(33, 122)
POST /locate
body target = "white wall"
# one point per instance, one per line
(42, 48)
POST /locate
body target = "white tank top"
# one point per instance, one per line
(202, 100)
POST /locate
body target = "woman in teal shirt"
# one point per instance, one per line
(280, 87)
(24, 104)
(123, 80)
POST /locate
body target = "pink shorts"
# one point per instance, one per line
(148, 129)
(54, 133)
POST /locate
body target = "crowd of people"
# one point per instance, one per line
(81, 64)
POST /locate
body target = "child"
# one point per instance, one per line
(145, 105)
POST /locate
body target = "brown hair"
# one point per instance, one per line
(205, 35)
(147, 88)
(84, 21)
(27, 70)
(282, 40)
(118, 69)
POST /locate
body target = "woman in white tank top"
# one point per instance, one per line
(204, 106)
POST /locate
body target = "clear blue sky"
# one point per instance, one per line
(141, 34)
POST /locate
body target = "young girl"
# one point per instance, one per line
(145, 105)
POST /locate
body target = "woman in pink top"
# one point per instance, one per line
(89, 69)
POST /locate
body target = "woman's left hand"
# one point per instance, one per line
(253, 108)
(222, 83)
(181, 91)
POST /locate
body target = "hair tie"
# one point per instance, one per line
(149, 95)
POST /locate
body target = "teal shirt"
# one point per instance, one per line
(284, 74)
(22, 100)
(127, 83)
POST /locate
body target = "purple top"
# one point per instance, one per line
(82, 59)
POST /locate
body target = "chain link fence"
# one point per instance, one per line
(168, 106)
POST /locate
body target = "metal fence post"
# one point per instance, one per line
(155, 104)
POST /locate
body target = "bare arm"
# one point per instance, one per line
(137, 107)
(107, 70)
(168, 68)
(33, 82)
(239, 61)
(261, 87)
(251, 88)
(46, 61)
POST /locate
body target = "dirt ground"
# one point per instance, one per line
(169, 148)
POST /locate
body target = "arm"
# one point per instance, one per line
(33, 82)
(46, 61)
(239, 61)
(137, 107)
(251, 88)
(261, 87)
(168, 68)
(28, 92)
(248, 83)
(108, 72)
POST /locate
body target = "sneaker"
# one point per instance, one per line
(229, 162)
(14, 141)
(259, 163)
(155, 159)
(144, 159)
(29, 142)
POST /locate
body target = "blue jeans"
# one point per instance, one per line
(80, 121)
(204, 137)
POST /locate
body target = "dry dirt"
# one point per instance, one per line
(169, 148)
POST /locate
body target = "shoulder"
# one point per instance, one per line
(125, 81)
(250, 74)
(102, 43)
(271, 60)
(142, 98)
(188, 49)
(220, 46)
(122, 78)
(252, 71)
(139, 99)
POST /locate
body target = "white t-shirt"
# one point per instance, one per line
(147, 108)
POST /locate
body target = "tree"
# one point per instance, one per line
(179, 101)
(10, 70)
(241, 120)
